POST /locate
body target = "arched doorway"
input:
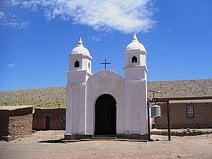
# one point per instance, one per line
(105, 115)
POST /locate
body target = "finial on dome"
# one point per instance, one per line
(134, 36)
(80, 42)
(135, 44)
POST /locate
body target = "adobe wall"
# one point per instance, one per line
(4, 124)
(178, 118)
(57, 118)
(15, 123)
(104, 82)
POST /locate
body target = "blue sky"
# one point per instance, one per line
(36, 37)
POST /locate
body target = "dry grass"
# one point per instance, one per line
(45, 97)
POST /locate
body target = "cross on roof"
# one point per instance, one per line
(105, 63)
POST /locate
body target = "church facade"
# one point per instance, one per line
(106, 103)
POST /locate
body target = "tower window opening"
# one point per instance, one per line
(134, 59)
(76, 64)
(89, 65)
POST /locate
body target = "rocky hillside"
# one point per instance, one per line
(55, 97)
(182, 88)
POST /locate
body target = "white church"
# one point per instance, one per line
(106, 103)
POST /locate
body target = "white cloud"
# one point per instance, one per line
(11, 65)
(1, 15)
(95, 38)
(13, 2)
(125, 16)
(11, 21)
(17, 25)
(14, 23)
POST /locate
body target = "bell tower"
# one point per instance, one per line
(78, 74)
(135, 61)
(136, 89)
(79, 64)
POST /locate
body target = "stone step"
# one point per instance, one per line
(103, 137)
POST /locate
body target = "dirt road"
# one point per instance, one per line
(46, 144)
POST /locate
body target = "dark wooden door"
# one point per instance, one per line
(105, 115)
(47, 122)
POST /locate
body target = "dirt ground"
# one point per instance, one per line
(47, 144)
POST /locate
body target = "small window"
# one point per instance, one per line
(134, 59)
(89, 65)
(190, 111)
(76, 64)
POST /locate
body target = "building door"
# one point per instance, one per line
(105, 115)
(47, 122)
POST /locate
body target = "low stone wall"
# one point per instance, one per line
(181, 132)
(15, 123)
(20, 126)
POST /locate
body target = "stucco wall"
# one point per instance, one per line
(135, 105)
(105, 82)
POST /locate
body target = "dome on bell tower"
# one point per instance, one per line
(135, 45)
(80, 58)
(135, 56)
(80, 49)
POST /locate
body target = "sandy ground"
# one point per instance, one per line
(46, 144)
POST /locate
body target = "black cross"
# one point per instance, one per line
(105, 63)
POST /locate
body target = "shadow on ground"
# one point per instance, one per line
(52, 141)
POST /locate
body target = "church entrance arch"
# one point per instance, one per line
(105, 115)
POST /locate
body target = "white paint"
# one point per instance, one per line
(130, 92)
(105, 82)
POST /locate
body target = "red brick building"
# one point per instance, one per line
(184, 113)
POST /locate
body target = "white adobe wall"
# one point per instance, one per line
(135, 108)
(105, 82)
(75, 117)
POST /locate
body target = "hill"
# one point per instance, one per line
(44, 97)
(55, 97)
